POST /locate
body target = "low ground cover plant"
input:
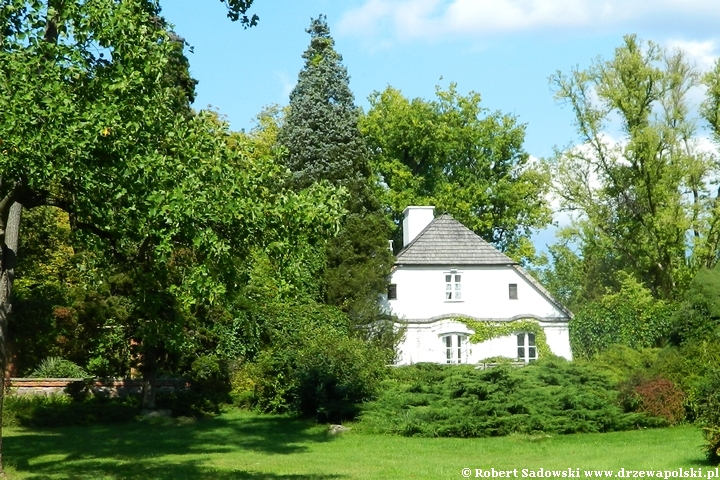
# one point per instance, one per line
(552, 396)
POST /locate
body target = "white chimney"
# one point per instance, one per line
(415, 221)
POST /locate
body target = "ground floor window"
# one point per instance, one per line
(455, 348)
(526, 348)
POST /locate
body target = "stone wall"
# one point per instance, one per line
(106, 388)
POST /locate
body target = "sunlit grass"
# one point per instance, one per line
(243, 445)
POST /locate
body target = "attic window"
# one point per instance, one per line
(392, 291)
(453, 289)
(513, 291)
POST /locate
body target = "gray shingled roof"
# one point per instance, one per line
(445, 241)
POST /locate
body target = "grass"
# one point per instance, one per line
(242, 445)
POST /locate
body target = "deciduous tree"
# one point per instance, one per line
(456, 155)
(643, 199)
(93, 124)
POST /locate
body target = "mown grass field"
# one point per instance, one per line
(242, 445)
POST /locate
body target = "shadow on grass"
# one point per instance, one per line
(161, 450)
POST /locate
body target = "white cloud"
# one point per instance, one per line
(702, 54)
(287, 85)
(410, 19)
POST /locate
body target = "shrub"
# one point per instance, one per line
(552, 396)
(55, 367)
(632, 317)
(320, 372)
(660, 397)
(622, 363)
(709, 415)
(62, 411)
(188, 403)
(698, 316)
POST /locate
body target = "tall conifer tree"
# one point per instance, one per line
(324, 144)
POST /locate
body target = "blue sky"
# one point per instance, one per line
(503, 49)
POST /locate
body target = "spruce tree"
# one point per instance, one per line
(324, 143)
(321, 128)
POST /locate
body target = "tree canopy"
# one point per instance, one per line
(644, 201)
(463, 159)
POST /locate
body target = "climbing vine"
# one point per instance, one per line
(487, 331)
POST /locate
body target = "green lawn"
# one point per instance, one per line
(247, 446)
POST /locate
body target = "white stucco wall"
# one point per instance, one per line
(485, 295)
(421, 294)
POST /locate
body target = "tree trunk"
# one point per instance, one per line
(149, 369)
(7, 276)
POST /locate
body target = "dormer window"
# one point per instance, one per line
(453, 286)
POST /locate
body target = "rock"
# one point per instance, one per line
(156, 413)
(336, 429)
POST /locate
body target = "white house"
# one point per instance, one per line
(446, 275)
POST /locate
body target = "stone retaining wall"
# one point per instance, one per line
(107, 388)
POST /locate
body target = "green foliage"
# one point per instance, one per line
(192, 403)
(621, 363)
(658, 397)
(456, 155)
(688, 367)
(631, 317)
(551, 396)
(62, 411)
(631, 194)
(560, 270)
(358, 266)
(97, 96)
(320, 130)
(486, 330)
(311, 368)
(323, 145)
(54, 367)
(709, 417)
(698, 316)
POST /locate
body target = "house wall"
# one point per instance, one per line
(421, 294)
(423, 342)
(421, 303)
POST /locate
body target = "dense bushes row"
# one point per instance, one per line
(552, 395)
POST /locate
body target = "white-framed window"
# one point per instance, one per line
(453, 286)
(512, 291)
(526, 348)
(455, 348)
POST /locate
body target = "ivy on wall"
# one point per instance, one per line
(488, 330)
